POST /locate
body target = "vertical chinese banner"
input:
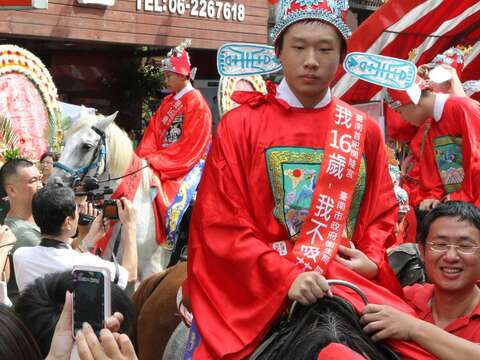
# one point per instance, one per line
(322, 232)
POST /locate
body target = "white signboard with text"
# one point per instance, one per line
(208, 9)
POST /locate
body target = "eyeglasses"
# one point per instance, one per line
(443, 247)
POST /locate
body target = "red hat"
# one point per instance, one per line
(292, 11)
(396, 98)
(335, 351)
(178, 60)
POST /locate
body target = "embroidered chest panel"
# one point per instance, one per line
(174, 131)
(293, 174)
(449, 159)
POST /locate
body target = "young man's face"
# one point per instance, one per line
(24, 185)
(453, 270)
(310, 57)
(174, 81)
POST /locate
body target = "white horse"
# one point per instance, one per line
(96, 146)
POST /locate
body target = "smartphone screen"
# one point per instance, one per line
(88, 299)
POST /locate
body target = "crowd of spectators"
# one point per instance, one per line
(40, 244)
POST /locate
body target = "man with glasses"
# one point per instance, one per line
(448, 323)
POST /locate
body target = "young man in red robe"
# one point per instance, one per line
(445, 70)
(175, 142)
(449, 308)
(449, 160)
(264, 227)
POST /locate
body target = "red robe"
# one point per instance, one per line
(450, 162)
(410, 182)
(172, 152)
(237, 282)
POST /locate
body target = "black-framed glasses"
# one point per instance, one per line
(441, 247)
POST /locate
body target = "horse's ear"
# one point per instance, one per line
(104, 122)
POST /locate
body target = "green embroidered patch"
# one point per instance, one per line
(449, 159)
(293, 173)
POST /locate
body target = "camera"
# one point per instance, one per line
(91, 297)
(90, 187)
(110, 209)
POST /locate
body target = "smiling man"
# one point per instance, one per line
(449, 308)
(296, 180)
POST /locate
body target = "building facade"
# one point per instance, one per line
(90, 46)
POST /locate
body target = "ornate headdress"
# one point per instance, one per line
(454, 57)
(331, 11)
(178, 60)
(396, 98)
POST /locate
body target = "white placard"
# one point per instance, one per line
(207, 9)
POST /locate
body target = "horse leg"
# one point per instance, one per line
(156, 308)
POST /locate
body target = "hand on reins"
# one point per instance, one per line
(308, 287)
(357, 261)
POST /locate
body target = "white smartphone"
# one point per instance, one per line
(91, 297)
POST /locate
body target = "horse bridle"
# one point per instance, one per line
(333, 282)
(99, 155)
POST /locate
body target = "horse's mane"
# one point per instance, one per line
(119, 144)
(330, 320)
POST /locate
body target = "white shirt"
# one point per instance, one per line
(286, 94)
(440, 100)
(184, 91)
(37, 261)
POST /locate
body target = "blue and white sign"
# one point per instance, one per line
(381, 70)
(240, 59)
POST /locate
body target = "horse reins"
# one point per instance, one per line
(99, 154)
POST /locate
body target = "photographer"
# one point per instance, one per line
(56, 213)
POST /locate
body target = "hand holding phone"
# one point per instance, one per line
(91, 297)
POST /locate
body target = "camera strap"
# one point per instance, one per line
(52, 243)
(117, 270)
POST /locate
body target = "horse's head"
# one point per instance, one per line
(312, 328)
(85, 150)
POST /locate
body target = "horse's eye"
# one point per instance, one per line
(86, 146)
